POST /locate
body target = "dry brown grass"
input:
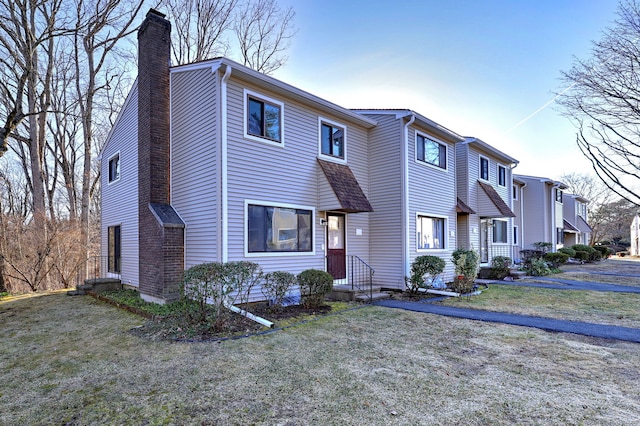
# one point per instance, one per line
(67, 360)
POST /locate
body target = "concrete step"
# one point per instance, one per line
(362, 297)
(345, 293)
(515, 274)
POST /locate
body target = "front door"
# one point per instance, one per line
(336, 253)
(484, 240)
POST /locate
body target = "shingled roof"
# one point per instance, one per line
(462, 208)
(346, 187)
(568, 227)
(497, 200)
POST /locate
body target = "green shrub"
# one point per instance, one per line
(314, 286)
(556, 259)
(568, 251)
(595, 256)
(207, 287)
(276, 286)
(538, 268)
(582, 255)
(424, 266)
(500, 266)
(582, 247)
(543, 246)
(466, 267)
(604, 251)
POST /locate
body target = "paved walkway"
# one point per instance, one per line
(584, 328)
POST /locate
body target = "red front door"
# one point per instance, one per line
(336, 253)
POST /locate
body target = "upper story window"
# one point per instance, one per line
(431, 152)
(430, 232)
(278, 229)
(515, 192)
(114, 168)
(559, 195)
(502, 175)
(263, 118)
(484, 168)
(332, 140)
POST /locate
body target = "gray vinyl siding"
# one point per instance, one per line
(537, 220)
(432, 191)
(120, 198)
(462, 171)
(385, 174)
(195, 175)
(287, 174)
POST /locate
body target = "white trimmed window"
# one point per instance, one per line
(515, 235)
(502, 175)
(430, 232)
(333, 140)
(279, 229)
(431, 152)
(263, 118)
(499, 231)
(484, 168)
(114, 168)
(515, 192)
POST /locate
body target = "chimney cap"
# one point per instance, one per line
(153, 11)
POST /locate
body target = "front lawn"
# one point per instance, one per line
(73, 361)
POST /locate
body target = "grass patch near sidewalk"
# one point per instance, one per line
(589, 306)
(71, 360)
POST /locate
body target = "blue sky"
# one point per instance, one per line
(476, 67)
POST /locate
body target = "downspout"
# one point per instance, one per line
(522, 215)
(224, 214)
(406, 238)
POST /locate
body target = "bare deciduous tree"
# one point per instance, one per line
(198, 28)
(264, 32)
(599, 197)
(603, 100)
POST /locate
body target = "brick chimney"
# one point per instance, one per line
(161, 232)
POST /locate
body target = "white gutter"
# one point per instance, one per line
(224, 181)
(249, 315)
(406, 238)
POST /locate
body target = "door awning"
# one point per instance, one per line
(462, 208)
(347, 189)
(568, 227)
(491, 203)
(583, 226)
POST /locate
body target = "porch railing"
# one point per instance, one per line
(355, 271)
(361, 276)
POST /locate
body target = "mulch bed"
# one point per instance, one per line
(234, 325)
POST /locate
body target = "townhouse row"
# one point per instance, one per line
(213, 161)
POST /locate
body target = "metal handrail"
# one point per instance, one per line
(361, 275)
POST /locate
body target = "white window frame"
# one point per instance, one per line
(482, 157)
(109, 181)
(506, 234)
(516, 232)
(445, 233)
(514, 191)
(321, 121)
(245, 106)
(425, 163)
(498, 167)
(276, 253)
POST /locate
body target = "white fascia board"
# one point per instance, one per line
(115, 124)
(492, 150)
(263, 80)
